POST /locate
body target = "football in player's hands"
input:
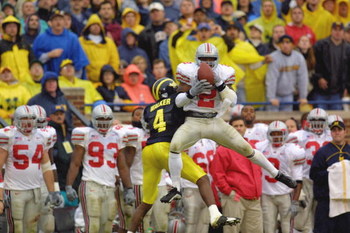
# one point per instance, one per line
(205, 72)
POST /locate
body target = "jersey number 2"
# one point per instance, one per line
(276, 163)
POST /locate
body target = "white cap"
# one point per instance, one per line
(257, 26)
(156, 6)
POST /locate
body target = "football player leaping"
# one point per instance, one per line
(202, 121)
(100, 151)
(163, 118)
(25, 153)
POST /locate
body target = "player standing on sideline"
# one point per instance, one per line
(163, 118)
(311, 140)
(277, 198)
(256, 132)
(100, 151)
(24, 151)
(46, 222)
(201, 117)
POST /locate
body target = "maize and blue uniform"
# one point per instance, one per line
(163, 119)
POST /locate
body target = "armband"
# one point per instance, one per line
(188, 95)
(46, 167)
(221, 87)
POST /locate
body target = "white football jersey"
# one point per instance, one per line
(50, 133)
(100, 158)
(23, 170)
(257, 133)
(288, 159)
(202, 154)
(311, 143)
(205, 103)
(133, 137)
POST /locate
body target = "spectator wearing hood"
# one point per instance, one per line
(68, 79)
(131, 19)
(32, 29)
(57, 44)
(99, 48)
(51, 95)
(342, 12)
(268, 19)
(12, 94)
(317, 18)
(129, 48)
(111, 91)
(138, 92)
(14, 52)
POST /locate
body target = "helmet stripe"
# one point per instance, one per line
(208, 47)
(40, 112)
(155, 90)
(103, 108)
(26, 107)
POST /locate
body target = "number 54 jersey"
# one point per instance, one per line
(288, 158)
(23, 171)
(100, 158)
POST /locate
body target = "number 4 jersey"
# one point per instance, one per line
(100, 158)
(23, 170)
(288, 158)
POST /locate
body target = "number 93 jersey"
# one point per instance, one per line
(100, 158)
(23, 170)
(187, 74)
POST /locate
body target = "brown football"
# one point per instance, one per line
(205, 72)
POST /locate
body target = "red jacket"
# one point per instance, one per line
(296, 32)
(232, 171)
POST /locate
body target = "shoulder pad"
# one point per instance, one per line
(262, 145)
(78, 134)
(5, 135)
(297, 152)
(226, 73)
(187, 72)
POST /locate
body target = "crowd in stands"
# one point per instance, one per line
(115, 50)
(281, 51)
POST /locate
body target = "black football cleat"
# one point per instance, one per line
(173, 194)
(222, 221)
(287, 180)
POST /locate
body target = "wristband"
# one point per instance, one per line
(56, 187)
(188, 95)
(221, 87)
